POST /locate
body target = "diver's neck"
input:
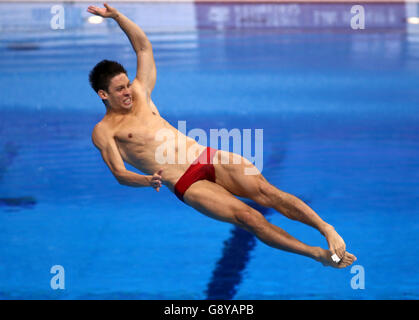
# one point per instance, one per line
(117, 111)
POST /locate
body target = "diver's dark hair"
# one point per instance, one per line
(103, 72)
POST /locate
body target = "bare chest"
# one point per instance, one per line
(134, 132)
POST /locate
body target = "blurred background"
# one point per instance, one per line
(334, 88)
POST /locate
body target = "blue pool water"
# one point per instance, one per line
(339, 113)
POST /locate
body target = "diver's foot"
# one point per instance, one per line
(335, 241)
(325, 257)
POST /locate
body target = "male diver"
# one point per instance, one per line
(210, 182)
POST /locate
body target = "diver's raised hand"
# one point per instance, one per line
(107, 12)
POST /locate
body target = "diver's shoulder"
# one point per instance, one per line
(101, 131)
(101, 127)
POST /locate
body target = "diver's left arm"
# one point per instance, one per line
(146, 68)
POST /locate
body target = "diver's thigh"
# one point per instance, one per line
(214, 201)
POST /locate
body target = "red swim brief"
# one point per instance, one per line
(201, 169)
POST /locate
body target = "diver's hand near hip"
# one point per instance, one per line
(155, 181)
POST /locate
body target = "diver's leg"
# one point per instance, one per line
(216, 202)
(232, 176)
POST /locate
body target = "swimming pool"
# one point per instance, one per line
(338, 108)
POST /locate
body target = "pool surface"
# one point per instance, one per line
(339, 113)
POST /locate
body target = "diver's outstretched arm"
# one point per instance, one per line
(146, 68)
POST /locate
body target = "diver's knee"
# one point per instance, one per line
(265, 194)
(249, 219)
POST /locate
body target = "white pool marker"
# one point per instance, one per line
(413, 20)
(335, 258)
(95, 19)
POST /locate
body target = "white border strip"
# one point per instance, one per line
(216, 1)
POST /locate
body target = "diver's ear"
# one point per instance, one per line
(103, 94)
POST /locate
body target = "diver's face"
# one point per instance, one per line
(119, 93)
